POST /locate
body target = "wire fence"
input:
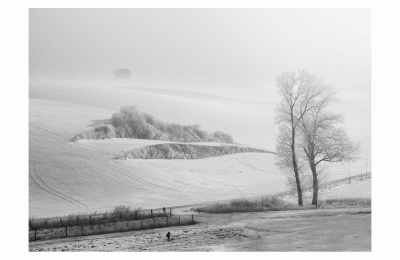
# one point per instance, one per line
(94, 219)
(91, 224)
(289, 192)
(85, 229)
(328, 185)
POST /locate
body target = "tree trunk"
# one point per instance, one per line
(315, 182)
(296, 172)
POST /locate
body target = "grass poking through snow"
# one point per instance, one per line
(277, 204)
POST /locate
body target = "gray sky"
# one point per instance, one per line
(241, 46)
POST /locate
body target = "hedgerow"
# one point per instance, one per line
(185, 151)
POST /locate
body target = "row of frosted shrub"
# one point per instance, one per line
(185, 151)
(130, 123)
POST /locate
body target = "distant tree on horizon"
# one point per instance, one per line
(122, 73)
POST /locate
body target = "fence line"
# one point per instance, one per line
(95, 219)
(360, 177)
(123, 226)
(288, 192)
(80, 222)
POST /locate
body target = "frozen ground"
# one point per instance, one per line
(340, 229)
(312, 230)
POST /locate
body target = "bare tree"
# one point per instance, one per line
(301, 93)
(290, 89)
(322, 142)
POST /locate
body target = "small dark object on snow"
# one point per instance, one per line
(168, 235)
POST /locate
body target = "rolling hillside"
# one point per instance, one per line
(76, 177)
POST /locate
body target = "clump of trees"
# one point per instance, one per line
(309, 135)
(186, 151)
(122, 73)
(130, 123)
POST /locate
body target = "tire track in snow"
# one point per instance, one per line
(51, 192)
(245, 163)
(122, 172)
(33, 166)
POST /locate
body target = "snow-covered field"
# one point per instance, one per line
(75, 177)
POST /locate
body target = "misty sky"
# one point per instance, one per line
(240, 46)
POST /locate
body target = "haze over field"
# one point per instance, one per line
(214, 68)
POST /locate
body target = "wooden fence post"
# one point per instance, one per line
(90, 221)
(61, 223)
(77, 218)
(82, 229)
(35, 234)
(151, 213)
(192, 217)
(170, 212)
(30, 224)
(66, 231)
(136, 214)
